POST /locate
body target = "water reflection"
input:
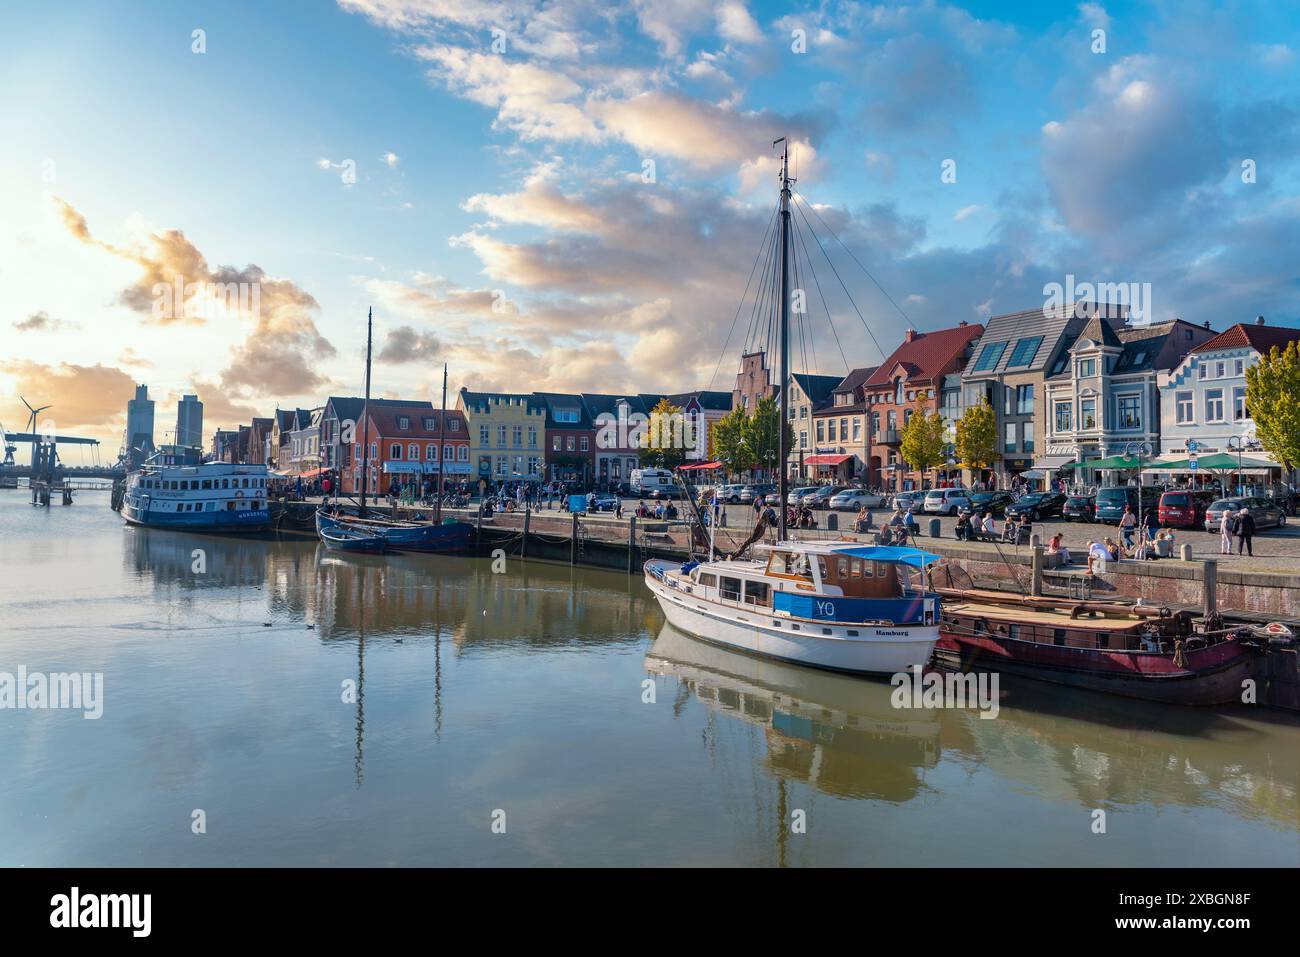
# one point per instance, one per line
(842, 736)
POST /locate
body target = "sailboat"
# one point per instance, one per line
(357, 531)
(841, 606)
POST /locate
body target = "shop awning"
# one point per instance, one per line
(313, 473)
(826, 459)
(1088, 464)
(1119, 462)
(702, 465)
(1051, 463)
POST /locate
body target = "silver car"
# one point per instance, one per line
(852, 499)
(1266, 512)
(947, 501)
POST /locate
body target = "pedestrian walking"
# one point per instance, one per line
(1227, 526)
(1245, 532)
(1127, 525)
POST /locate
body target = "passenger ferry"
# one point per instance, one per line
(216, 496)
(862, 609)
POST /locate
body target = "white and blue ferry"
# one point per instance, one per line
(216, 496)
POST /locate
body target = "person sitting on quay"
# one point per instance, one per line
(1009, 530)
(897, 517)
(1056, 546)
(1097, 557)
(964, 531)
(863, 522)
(988, 528)
(1112, 548)
(1024, 529)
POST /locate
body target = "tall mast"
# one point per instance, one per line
(784, 373)
(365, 415)
(442, 449)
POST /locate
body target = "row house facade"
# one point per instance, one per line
(1105, 401)
(507, 432)
(302, 452)
(700, 410)
(809, 394)
(1017, 353)
(616, 440)
(753, 382)
(408, 442)
(1203, 397)
(911, 380)
(841, 432)
(570, 437)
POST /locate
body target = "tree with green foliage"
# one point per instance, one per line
(729, 441)
(761, 434)
(1273, 399)
(976, 442)
(922, 444)
(664, 441)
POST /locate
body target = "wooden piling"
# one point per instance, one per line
(573, 542)
(631, 542)
(523, 542)
(1210, 586)
(1036, 581)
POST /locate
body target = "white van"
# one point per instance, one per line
(646, 482)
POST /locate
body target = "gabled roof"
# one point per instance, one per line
(817, 388)
(349, 406)
(599, 403)
(855, 378)
(927, 354)
(384, 419)
(1100, 330)
(1259, 337)
(712, 401)
(1053, 327)
(481, 401)
(553, 401)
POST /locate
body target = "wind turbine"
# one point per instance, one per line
(31, 427)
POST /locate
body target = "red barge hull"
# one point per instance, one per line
(1208, 675)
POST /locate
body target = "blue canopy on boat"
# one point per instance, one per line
(889, 553)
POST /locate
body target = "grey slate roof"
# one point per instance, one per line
(1054, 326)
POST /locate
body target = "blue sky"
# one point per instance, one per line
(514, 177)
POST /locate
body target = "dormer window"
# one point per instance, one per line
(1087, 367)
(429, 424)
(403, 422)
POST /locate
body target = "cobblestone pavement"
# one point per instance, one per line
(1276, 549)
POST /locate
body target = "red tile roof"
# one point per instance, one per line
(1260, 338)
(383, 420)
(927, 354)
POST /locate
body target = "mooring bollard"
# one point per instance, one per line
(934, 528)
(832, 522)
(1185, 552)
(1209, 594)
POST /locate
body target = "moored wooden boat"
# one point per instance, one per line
(1136, 651)
(345, 539)
(403, 536)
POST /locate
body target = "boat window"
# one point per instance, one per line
(230, 505)
(225, 483)
(730, 588)
(842, 567)
(821, 567)
(756, 593)
(882, 569)
(777, 563)
(709, 581)
(257, 505)
(855, 566)
(207, 483)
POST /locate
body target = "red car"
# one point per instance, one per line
(1184, 509)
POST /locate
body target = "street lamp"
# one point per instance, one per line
(1142, 449)
(1240, 484)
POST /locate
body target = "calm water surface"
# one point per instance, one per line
(522, 692)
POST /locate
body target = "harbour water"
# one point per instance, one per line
(349, 710)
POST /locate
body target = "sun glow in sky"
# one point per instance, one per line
(475, 171)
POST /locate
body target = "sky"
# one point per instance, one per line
(570, 195)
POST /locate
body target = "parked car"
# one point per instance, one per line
(1111, 502)
(1266, 512)
(750, 492)
(605, 502)
(1183, 508)
(946, 501)
(730, 494)
(795, 495)
(852, 499)
(906, 500)
(1079, 508)
(665, 493)
(996, 502)
(819, 497)
(1037, 505)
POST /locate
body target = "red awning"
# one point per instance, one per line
(826, 459)
(313, 473)
(703, 465)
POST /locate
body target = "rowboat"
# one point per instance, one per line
(352, 540)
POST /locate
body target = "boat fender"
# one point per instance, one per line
(1180, 659)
